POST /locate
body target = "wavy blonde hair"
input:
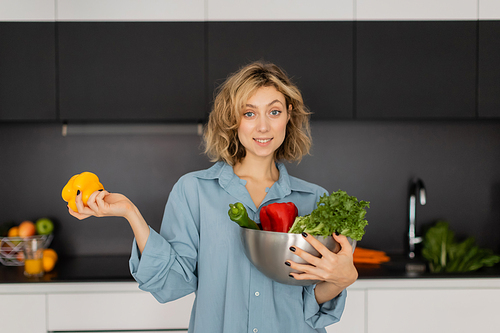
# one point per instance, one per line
(221, 132)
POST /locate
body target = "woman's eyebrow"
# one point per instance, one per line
(276, 100)
(255, 107)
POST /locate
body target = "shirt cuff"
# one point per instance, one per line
(320, 316)
(144, 267)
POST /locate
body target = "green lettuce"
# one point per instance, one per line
(337, 212)
(445, 254)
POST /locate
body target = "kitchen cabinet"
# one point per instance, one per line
(279, 10)
(429, 310)
(317, 55)
(353, 318)
(489, 10)
(416, 70)
(115, 311)
(131, 71)
(16, 308)
(131, 10)
(416, 10)
(489, 70)
(372, 305)
(421, 305)
(27, 10)
(87, 306)
(27, 71)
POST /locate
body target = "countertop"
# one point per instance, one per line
(116, 269)
(75, 269)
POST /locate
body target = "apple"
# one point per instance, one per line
(44, 226)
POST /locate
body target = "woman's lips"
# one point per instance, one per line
(263, 141)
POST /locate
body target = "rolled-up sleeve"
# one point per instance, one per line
(319, 316)
(167, 266)
(160, 271)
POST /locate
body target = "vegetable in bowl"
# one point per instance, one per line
(337, 212)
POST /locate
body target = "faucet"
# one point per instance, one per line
(417, 191)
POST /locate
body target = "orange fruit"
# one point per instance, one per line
(49, 259)
(27, 229)
(13, 232)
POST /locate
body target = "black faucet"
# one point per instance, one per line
(417, 192)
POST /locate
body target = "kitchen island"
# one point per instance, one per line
(98, 293)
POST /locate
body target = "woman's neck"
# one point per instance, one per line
(259, 175)
(257, 170)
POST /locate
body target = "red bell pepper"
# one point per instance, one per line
(278, 217)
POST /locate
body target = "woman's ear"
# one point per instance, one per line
(289, 111)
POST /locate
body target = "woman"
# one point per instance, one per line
(258, 120)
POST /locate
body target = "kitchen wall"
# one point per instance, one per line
(458, 161)
(373, 160)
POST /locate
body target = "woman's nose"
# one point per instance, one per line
(263, 124)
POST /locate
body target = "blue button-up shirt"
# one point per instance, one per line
(199, 250)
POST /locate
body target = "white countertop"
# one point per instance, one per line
(361, 284)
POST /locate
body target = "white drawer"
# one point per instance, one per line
(16, 309)
(115, 311)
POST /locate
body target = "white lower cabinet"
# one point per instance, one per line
(116, 311)
(421, 305)
(353, 318)
(372, 306)
(22, 313)
(429, 310)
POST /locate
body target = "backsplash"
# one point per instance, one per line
(374, 161)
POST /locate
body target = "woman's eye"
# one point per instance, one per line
(275, 112)
(248, 114)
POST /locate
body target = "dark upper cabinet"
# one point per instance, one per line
(27, 71)
(416, 70)
(141, 71)
(317, 55)
(489, 69)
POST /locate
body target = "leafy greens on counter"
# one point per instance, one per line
(445, 254)
(337, 212)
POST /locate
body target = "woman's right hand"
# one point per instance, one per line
(102, 203)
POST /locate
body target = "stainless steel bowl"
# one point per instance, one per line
(268, 251)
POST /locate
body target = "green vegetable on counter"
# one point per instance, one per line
(445, 254)
(337, 212)
(238, 213)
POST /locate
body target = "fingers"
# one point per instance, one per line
(93, 207)
(304, 271)
(346, 247)
(322, 267)
(95, 200)
(322, 249)
(76, 214)
(310, 270)
(82, 209)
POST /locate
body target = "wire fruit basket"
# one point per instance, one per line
(11, 249)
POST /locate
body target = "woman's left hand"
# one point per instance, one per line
(336, 269)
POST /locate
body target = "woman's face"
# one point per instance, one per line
(263, 122)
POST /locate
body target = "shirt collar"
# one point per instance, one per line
(230, 182)
(221, 171)
(225, 173)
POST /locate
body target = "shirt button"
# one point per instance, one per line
(255, 330)
(257, 293)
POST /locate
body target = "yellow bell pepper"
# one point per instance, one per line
(85, 182)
